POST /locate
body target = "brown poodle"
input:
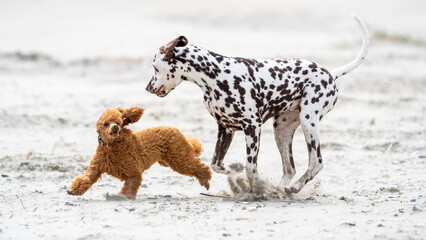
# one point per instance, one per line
(126, 155)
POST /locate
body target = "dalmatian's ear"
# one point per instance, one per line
(169, 47)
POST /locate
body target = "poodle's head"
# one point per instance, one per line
(112, 122)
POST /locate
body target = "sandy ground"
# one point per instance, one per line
(62, 63)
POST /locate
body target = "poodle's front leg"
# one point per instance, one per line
(82, 183)
(131, 186)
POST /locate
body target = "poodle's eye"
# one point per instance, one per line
(105, 124)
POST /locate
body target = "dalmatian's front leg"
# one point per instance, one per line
(252, 147)
(239, 183)
(224, 139)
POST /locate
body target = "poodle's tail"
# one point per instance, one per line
(198, 147)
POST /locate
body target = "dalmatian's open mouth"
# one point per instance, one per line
(161, 92)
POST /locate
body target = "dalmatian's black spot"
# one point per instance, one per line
(325, 104)
(309, 147)
(224, 87)
(317, 88)
(217, 94)
(218, 57)
(314, 100)
(272, 71)
(319, 153)
(331, 93)
(228, 101)
(313, 67)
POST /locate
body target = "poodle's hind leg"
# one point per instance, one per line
(190, 165)
(203, 174)
(200, 171)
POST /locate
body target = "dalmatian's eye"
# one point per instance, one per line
(106, 124)
(156, 69)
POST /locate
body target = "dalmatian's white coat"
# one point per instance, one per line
(242, 94)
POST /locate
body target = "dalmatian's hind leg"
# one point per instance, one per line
(315, 159)
(313, 107)
(285, 124)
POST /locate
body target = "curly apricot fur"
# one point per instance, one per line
(125, 155)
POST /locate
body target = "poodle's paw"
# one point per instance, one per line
(204, 182)
(70, 192)
(127, 194)
(75, 192)
(121, 196)
(131, 196)
(79, 186)
(122, 192)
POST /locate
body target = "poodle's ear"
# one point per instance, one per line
(131, 115)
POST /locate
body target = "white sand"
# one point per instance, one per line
(93, 55)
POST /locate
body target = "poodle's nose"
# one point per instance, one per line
(115, 128)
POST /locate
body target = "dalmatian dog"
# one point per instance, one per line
(242, 94)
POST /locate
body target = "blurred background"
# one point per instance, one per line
(69, 30)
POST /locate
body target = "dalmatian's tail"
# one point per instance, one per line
(355, 63)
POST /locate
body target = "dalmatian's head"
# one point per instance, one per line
(165, 65)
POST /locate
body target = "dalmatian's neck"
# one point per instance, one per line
(201, 66)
